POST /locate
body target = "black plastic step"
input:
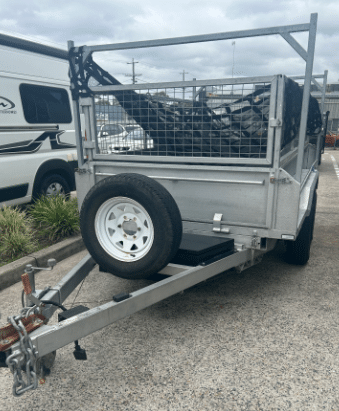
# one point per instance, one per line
(196, 249)
(121, 297)
(64, 315)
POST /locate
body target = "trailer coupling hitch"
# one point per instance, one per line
(51, 262)
(23, 361)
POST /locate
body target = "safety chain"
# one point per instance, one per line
(23, 358)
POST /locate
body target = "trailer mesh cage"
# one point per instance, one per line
(223, 121)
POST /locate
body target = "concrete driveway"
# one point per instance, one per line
(265, 339)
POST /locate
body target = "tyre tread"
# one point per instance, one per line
(298, 251)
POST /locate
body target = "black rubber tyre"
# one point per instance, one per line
(313, 211)
(319, 160)
(298, 251)
(54, 184)
(108, 213)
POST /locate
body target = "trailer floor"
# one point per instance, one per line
(265, 339)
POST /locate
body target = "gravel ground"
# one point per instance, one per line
(265, 339)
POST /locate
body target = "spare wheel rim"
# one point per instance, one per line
(124, 229)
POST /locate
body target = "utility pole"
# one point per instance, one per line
(194, 91)
(233, 44)
(133, 75)
(183, 79)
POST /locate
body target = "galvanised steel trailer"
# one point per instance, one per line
(192, 181)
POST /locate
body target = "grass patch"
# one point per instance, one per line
(47, 221)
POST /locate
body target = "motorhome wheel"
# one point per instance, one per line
(54, 184)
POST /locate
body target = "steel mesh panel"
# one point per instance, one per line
(219, 122)
(214, 122)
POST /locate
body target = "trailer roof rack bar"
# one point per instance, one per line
(82, 66)
(284, 31)
(32, 46)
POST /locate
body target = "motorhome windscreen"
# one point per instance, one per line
(221, 121)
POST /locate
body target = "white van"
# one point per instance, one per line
(37, 141)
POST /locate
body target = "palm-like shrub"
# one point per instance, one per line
(16, 233)
(55, 216)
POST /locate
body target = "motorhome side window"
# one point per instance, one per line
(45, 104)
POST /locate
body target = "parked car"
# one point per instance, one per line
(107, 130)
(107, 133)
(136, 139)
(115, 138)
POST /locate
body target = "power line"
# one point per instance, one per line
(157, 67)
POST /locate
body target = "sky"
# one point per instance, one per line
(89, 22)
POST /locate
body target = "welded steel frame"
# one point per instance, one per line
(49, 338)
(85, 52)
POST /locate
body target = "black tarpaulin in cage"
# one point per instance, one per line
(234, 129)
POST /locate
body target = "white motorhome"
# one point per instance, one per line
(37, 141)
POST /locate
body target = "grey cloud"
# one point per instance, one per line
(100, 21)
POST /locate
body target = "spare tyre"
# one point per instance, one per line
(131, 225)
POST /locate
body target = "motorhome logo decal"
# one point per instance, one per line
(5, 104)
(31, 146)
